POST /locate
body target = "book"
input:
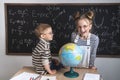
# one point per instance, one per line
(32, 76)
(91, 76)
(25, 76)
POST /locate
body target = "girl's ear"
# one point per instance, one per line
(90, 26)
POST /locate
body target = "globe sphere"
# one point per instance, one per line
(70, 54)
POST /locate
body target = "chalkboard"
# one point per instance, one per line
(21, 20)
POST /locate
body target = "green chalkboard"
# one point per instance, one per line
(21, 20)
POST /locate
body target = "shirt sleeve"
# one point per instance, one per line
(45, 61)
(73, 35)
(93, 51)
(45, 58)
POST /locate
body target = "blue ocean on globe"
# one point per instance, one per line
(71, 54)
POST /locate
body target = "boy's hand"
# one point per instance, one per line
(47, 67)
(53, 72)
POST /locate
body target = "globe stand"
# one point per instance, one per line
(71, 73)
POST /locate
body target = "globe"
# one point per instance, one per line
(70, 55)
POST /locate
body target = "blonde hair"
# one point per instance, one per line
(88, 15)
(41, 28)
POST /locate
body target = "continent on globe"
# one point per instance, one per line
(70, 55)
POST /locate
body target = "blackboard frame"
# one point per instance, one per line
(21, 4)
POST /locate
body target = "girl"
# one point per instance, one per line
(84, 38)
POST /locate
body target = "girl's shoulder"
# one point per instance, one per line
(94, 37)
(74, 32)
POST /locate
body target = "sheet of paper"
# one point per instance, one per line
(25, 76)
(48, 78)
(91, 76)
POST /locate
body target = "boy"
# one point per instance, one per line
(41, 57)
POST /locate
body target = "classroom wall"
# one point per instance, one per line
(109, 68)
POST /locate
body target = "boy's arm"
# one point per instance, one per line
(47, 67)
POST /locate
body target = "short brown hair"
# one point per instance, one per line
(41, 28)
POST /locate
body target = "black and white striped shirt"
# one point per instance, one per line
(41, 56)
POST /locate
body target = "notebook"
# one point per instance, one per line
(25, 76)
(32, 76)
(91, 76)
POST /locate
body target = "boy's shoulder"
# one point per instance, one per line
(43, 41)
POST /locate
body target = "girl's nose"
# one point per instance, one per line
(82, 30)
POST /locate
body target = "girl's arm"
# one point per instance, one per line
(93, 52)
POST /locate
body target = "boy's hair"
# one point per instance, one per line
(41, 28)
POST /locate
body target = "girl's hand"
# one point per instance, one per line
(93, 67)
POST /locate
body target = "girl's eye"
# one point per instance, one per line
(85, 26)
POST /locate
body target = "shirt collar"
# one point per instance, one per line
(44, 41)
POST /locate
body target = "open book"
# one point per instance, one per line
(32, 76)
(25, 76)
(91, 76)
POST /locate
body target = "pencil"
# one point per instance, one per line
(38, 77)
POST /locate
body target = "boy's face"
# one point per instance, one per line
(48, 34)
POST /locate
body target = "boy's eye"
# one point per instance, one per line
(79, 27)
(50, 33)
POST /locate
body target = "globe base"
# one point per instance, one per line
(71, 74)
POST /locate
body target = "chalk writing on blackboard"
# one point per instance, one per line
(22, 20)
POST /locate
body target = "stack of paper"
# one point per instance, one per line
(91, 76)
(48, 78)
(31, 76)
(25, 76)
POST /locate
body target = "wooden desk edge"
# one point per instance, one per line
(30, 69)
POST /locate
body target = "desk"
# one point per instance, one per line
(60, 75)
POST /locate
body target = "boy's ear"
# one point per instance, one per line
(42, 35)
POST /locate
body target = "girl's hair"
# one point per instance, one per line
(88, 15)
(41, 28)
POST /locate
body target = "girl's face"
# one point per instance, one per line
(48, 34)
(84, 27)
